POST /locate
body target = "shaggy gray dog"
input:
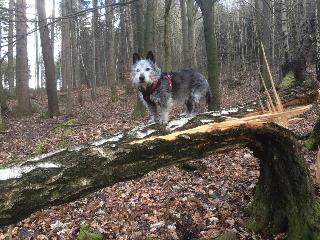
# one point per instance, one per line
(158, 90)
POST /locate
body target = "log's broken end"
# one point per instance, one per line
(252, 121)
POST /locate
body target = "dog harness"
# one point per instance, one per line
(155, 84)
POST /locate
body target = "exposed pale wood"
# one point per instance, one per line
(251, 121)
(269, 101)
(276, 95)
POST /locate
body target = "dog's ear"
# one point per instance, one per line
(135, 58)
(151, 57)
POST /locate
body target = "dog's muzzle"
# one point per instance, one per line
(142, 79)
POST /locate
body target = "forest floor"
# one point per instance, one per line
(170, 203)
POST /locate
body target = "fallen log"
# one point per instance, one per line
(284, 196)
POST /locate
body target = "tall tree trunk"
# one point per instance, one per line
(167, 32)
(184, 25)
(123, 58)
(95, 50)
(207, 7)
(37, 63)
(110, 54)
(318, 41)
(284, 28)
(264, 36)
(24, 106)
(139, 33)
(10, 49)
(97, 47)
(53, 15)
(66, 65)
(139, 36)
(48, 59)
(149, 26)
(191, 36)
(3, 98)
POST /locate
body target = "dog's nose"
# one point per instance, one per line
(142, 78)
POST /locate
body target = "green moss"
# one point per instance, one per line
(38, 149)
(308, 83)
(304, 223)
(139, 110)
(65, 138)
(259, 214)
(86, 234)
(150, 238)
(288, 81)
(311, 142)
(227, 236)
(69, 122)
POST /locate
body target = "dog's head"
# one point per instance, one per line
(144, 71)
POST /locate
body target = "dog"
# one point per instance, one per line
(158, 90)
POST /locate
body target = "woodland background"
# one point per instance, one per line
(83, 52)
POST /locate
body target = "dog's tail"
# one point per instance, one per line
(208, 97)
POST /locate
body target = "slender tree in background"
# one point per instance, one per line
(95, 49)
(123, 47)
(284, 28)
(109, 50)
(24, 106)
(167, 33)
(149, 26)
(137, 17)
(66, 65)
(47, 54)
(10, 49)
(3, 97)
(207, 9)
(184, 26)
(191, 12)
(318, 41)
(53, 15)
(264, 36)
(139, 110)
(37, 63)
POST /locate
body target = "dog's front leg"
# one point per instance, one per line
(152, 108)
(165, 109)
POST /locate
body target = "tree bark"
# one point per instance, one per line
(123, 57)
(24, 106)
(10, 49)
(48, 59)
(263, 19)
(149, 26)
(184, 25)
(110, 54)
(191, 35)
(139, 26)
(167, 32)
(211, 50)
(318, 41)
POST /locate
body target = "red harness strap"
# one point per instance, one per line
(168, 77)
(155, 84)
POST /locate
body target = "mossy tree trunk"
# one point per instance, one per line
(284, 198)
(207, 10)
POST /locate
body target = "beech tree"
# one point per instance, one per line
(24, 106)
(207, 9)
(47, 53)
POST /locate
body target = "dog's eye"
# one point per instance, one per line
(148, 69)
(138, 70)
